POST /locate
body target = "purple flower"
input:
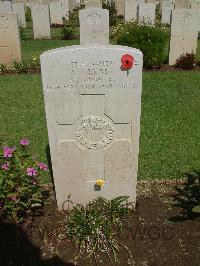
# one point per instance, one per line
(31, 171)
(43, 166)
(5, 166)
(7, 152)
(24, 142)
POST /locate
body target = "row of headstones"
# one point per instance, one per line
(94, 29)
(167, 6)
(18, 8)
(10, 43)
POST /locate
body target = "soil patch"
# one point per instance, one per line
(155, 235)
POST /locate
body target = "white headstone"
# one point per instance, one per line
(19, 9)
(167, 7)
(94, 26)
(195, 4)
(184, 34)
(182, 4)
(93, 118)
(56, 13)
(131, 7)
(120, 6)
(41, 23)
(65, 8)
(10, 46)
(5, 7)
(93, 3)
(147, 13)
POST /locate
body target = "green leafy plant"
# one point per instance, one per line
(186, 61)
(20, 67)
(20, 189)
(68, 32)
(94, 228)
(188, 197)
(151, 40)
(3, 69)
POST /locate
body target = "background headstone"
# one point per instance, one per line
(182, 4)
(10, 45)
(146, 13)
(184, 34)
(93, 3)
(19, 9)
(94, 26)
(167, 7)
(41, 23)
(5, 7)
(120, 6)
(56, 13)
(65, 8)
(93, 116)
(131, 8)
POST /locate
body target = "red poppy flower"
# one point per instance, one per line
(127, 61)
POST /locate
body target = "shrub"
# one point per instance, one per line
(186, 61)
(93, 228)
(20, 189)
(68, 33)
(149, 39)
(188, 197)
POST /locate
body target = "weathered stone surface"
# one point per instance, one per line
(131, 8)
(94, 26)
(5, 7)
(19, 9)
(65, 8)
(56, 13)
(120, 6)
(41, 23)
(182, 4)
(184, 33)
(167, 7)
(147, 13)
(93, 116)
(93, 3)
(10, 46)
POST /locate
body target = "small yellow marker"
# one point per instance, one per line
(100, 182)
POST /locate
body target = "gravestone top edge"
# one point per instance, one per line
(89, 47)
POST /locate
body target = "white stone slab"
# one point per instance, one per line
(5, 7)
(131, 8)
(182, 4)
(56, 13)
(93, 118)
(120, 6)
(184, 34)
(19, 9)
(94, 26)
(10, 46)
(93, 3)
(65, 8)
(195, 4)
(167, 7)
(147, 13)
(41, 22)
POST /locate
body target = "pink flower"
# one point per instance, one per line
(31, 171)
(13, 197)
(7, 152)
(43, 166)
(5, 166)
(24, 142)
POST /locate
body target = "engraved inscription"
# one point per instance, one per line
(94, 132)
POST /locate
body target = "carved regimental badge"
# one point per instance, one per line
(94, 132)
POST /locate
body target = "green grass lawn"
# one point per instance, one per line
(170, 134)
